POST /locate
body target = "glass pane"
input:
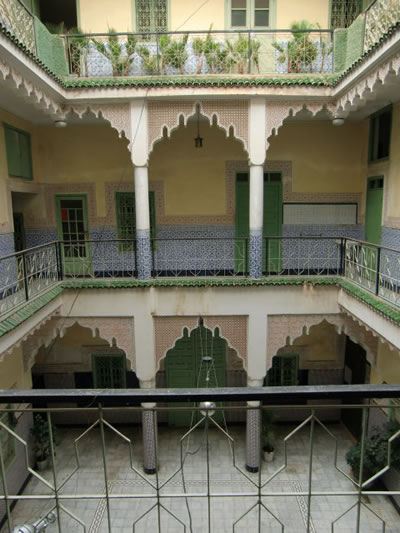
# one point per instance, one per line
(238, 4)
(275, 176)
(261, 18)
(238, 17)
(261, 4)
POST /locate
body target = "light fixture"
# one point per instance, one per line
(60, 123)
(338, 121)
(198, 141)
(209, 408)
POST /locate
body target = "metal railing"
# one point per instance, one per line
(200, 53)
(19, 21)
(94, 479)
(381, 15)
(29, 273)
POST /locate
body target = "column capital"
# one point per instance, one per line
(257, 131)
(139, 145)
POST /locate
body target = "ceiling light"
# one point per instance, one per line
(60, 123)
(338, 121)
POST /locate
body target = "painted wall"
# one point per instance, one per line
(97, 16)
(325, 158)
(387, 366)
(12, 374)
(187, 15)
(314, 11)
(393, 175)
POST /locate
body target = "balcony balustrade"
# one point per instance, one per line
(94, 479)
(27, 274)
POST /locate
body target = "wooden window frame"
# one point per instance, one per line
(115, 356)
(374, 134)
(250, 15)
(17, 170)
(276, 358)
(125, 247)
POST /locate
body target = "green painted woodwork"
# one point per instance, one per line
(19, 232)
(72, 228)
(250, 14)
(272, 220)
(50, 49)
(373, 210)
(185, 368)
(109, 371)
(126, 218)
(283, 372)
(19, 154)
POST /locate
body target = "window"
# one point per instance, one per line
(126, 218)
(7, 442)
(19, 156)
(344, 12)
(283, 371)
(151, 16)
(109, 371)
(379, 134)
(250, 13)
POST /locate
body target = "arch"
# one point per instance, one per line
(167, 116)
(117, 115)
(116, 331)
(169, 329)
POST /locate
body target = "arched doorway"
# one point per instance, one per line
(198, 359)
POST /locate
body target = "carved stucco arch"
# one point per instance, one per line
(168, 115)
(116, 331)
(233, 329)
(283, 330)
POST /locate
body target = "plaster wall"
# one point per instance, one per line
(387, 368)
(209, 13)
(314, 11)
(12, 374)
(322, 347)
(100, 15)
(393, 172)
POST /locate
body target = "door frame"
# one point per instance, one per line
(71, 267)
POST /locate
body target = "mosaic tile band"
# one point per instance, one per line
(255, 255)
(143, 254)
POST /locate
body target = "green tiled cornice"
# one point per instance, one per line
(29, 309)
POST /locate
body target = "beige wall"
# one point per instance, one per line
(387, 367)
(100, 15)
(210, 13)
(393, 172)
(12, 374)
(314, 11)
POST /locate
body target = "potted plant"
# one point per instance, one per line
(268, 436)
(375, 451)
(120, 55)
(301, 51)
(41, 440)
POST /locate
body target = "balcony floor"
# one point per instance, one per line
(292, 510)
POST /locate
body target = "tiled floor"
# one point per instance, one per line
(224, 478)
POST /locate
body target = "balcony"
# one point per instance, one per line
(94, 480)
(28, 274)
(305, 52)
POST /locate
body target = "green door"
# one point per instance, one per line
(373, 226)
(185, 367)
(272, 223)
(72, 228)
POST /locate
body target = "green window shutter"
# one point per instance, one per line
(109, 371)
(284, 371)
(19, 154)
(126, 217)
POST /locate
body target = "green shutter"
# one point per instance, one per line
(19, 154)
(109, 371)
(126, 218)
(283, 372)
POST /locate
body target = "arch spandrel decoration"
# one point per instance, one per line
(284, 328)
(166, 115)
(231, 328)
(116, 331)
(118, 115)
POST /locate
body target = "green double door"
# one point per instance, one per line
(186, 368)
(73, 231)
(272, 221)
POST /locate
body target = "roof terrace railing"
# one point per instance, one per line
(29, 273)
(19, 21)
(207, 472)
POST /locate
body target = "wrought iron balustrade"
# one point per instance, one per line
(94, 478)
(19, 21)
(234, 52)
(381, 15)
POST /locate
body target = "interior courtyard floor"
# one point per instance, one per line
(224, 478)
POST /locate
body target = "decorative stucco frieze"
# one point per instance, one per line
(118, 115)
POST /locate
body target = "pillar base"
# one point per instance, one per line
(252, 469)
(253, 433)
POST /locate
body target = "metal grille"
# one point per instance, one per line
(344, 12)
(151, 16)
(19, 21)
(126, 219)
(382, 15)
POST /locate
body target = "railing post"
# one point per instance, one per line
(24, 271)
(378, 269)
(158, 55)
(342, 256)
(266, 241)
(59, 261)
(249, 58)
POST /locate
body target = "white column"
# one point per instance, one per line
(253, 432)
(143, 245)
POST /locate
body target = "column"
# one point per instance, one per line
(143, 245)
(256, 210)
(253, 432)
(149, 429)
